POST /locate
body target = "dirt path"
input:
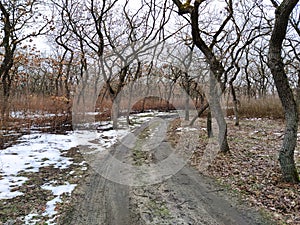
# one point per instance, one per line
(186, 198)
(100, 201)
(194, 199)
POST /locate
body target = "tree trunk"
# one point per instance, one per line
(298, 90)
(129, 109)
(169, 95)
(235, 105)
(209, 125)
(115, 112)
(216, 72)
(6, 85)
(204, 107)
(217, 112)
(275, 62)
(187, 105)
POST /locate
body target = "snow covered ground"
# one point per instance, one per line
(33, 151)
(37, 150)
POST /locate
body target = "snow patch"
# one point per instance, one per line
(30, 219)
(33, 115)
(57, 191)
(50, 210)
(34, 151)
(186, 129)
(97, 141)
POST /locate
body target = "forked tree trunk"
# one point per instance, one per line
(286, 155)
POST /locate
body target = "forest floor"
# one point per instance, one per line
(242, 187)
(252, 171)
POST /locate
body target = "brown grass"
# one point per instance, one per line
(269, 107)
(38, 111)
(28, 105)
(40, 104)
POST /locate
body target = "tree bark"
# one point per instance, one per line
(235, 105)
(275, 62)
(8, 60)
(298, 90)
(187, 104)
(217, 112)
(210, 133)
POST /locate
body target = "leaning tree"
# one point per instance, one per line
(215, 65)
(275, 62)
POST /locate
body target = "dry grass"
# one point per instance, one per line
(40, 104)
(269, 107)
(61, 108)
(28, 111)
(104, 105)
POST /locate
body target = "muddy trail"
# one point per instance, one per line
(110, 194)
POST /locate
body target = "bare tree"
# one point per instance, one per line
(136, 39)
(16, 18)
(216, 67)
(275, 62)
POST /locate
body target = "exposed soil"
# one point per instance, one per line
(188, 197)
